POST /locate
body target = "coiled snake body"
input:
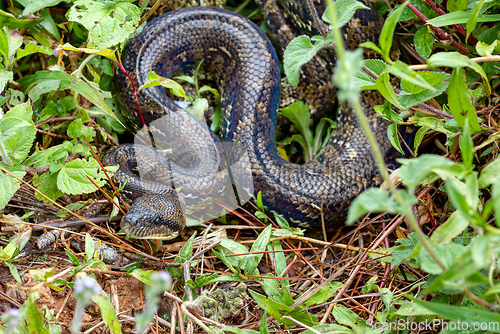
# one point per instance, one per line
(200, 167)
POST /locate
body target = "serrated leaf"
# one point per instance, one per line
(47, 185)
(423, 42)
(108, 22)
(17, 132)
(459, 101)
(344, 11)
(298, 52)
(72, 178)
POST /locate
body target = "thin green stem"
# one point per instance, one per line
(379, 159)
(78, 72)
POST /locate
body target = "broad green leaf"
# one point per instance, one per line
(234, 248)
(411, 309)
(34, 319)
(385, 88)
(322, 295)
(489, 173)
(298, 114)
(108, 313)
(459, 101)
(47, 184)
(17, 132)
(298, 52)
(392, 134)
(366, 81)
(446, 253)
(154, 79)
(42, 88)
(434, 124)
(486, 50)
(414, 170)
(72, 178)
(411, 94)
(448, 230)
(423, 42)
(461, 18)
(455, 59)
(387, 32)
(344, 11)
(5, 78)
(373, 199)
(456, 5)
(108, 22)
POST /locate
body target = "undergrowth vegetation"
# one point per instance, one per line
(428, 261)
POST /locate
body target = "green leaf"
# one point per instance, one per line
(258, 246)
(343, 75)
(411, 94)
(42, 88)
(154, 79)
(17, 132)
(14, 272)
(108, 313)
(419, 136)
(35, 5)
(73, 258)
(110, 54)
(298, 52)
(33, 316)
(474, 17)
(461, 313)
(486, 50)
(423, 41)
(47, 184)
(392, 134)
(461, 18)
(466, 146)
(456, 5)
(344, 10)
(108, 22)
(385, 88)
(414, 170)
(455, 59)
(30, 49)
(387, 32)
(402, 70)
(373, 199)
(459, 101)
(448, 230)
(72, 178)
(489, 173)
(322, 295)
(5, 78)
(364, 80)
(434, 124)
(7, 19)
(298, 114)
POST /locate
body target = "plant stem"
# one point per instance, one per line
(379, 159)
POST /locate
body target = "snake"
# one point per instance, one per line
(190, 169)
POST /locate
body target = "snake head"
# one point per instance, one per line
(155, 216)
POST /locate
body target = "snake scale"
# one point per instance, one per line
(197, 167)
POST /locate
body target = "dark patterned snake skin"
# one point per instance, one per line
(194, 170)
